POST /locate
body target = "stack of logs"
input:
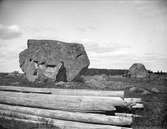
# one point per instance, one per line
(67, 108)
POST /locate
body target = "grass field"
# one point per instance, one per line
(155, 103)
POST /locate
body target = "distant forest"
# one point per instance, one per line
(94, 71)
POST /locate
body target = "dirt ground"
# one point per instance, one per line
(155, 101)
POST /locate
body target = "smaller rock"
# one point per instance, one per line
(96, 84)
(137, 70)
(136, 89)
(15, 83)
(139, 90)
(145, 92)
(95, 81)
(60, 83)
(132, 89)
(155, 90)
(102, 77)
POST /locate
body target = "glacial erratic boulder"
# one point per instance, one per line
(53, 59)
(138, 70)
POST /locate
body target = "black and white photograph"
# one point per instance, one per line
(83, 64)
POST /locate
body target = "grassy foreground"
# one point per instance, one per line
(155, 102)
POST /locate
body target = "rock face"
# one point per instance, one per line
(155, 90)
(138, 70)
(53, 59)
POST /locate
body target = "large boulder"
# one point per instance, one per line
(53, 59)
(138, 70)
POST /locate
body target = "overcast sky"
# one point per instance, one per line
(115, 33)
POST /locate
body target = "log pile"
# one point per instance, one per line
(68, 108)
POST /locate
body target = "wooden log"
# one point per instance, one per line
(74, 92)
(127, 115)
(62, 102)
(138, 105)
(13, 119)
(55, 122)
(73, 116)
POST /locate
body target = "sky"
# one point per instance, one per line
(115, 33)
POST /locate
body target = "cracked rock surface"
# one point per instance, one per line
(53, 59)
